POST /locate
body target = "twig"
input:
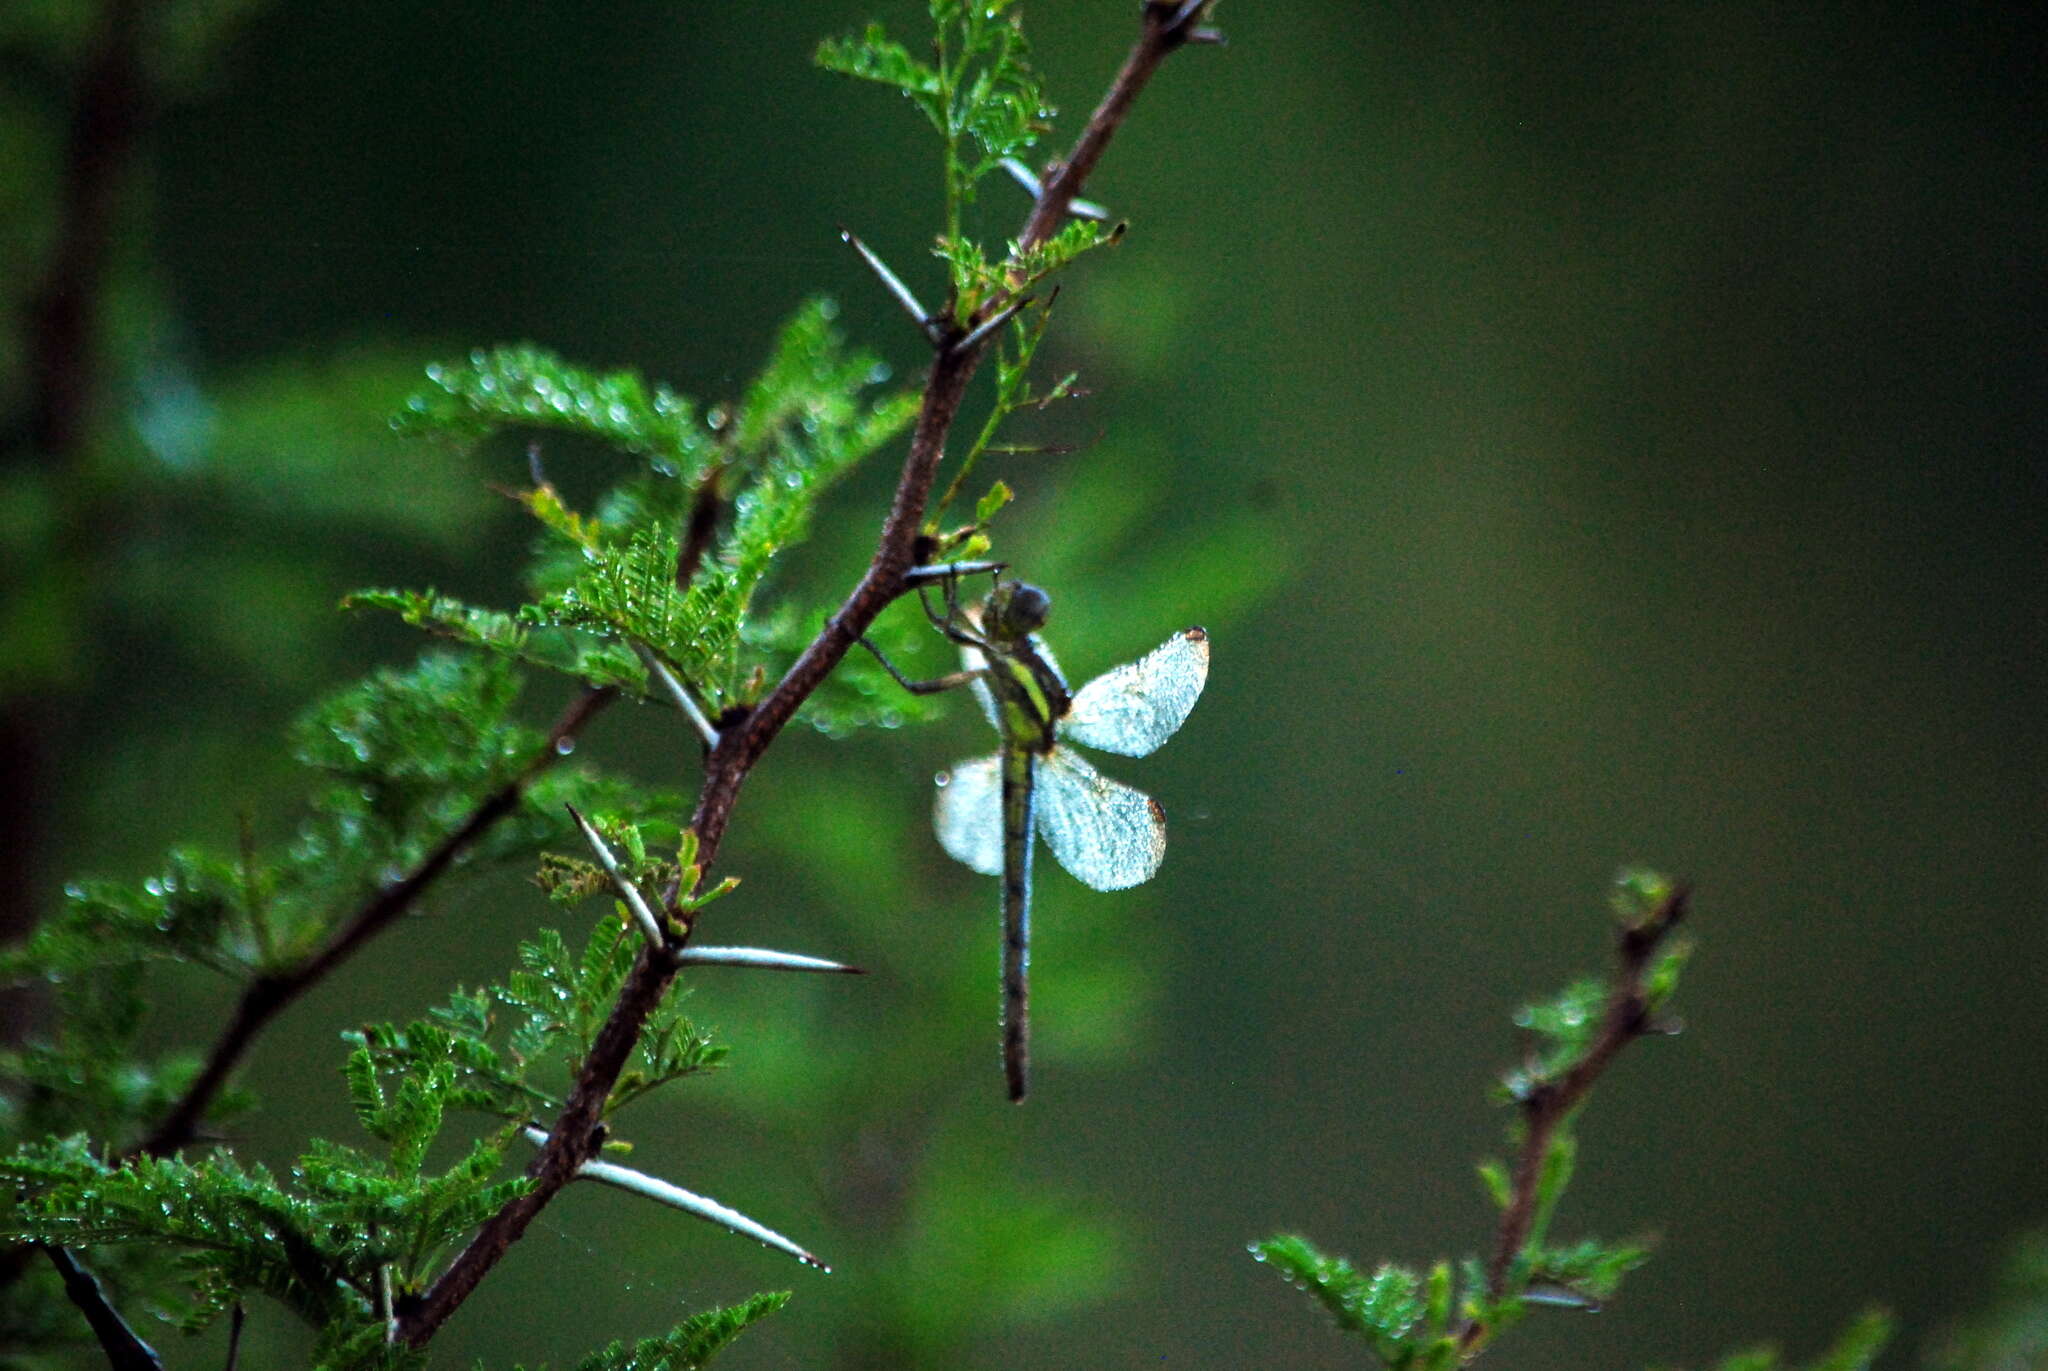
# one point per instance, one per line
(235, 1318)
(268, 995)
(705, 508)
(1167, 27)
(1548, 1104)
(125, 1351)
(573, 1140)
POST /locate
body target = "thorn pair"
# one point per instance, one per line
(930, 325)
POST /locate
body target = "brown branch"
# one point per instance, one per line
(112, 104)
(268, 995)
(125, 1351)
(113, 109)
(1168, 25)
(574, 1138)
(1548, 1104)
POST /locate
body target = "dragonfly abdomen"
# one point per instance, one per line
(1019, 764)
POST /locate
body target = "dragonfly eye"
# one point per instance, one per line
(1024, 609)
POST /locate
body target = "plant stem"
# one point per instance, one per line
(125, 1351)
(1549, 1104)
(573, 1140)
(269, 994)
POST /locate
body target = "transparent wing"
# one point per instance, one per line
(968, 814)
(1109, 835)
(973, 659)
(1135, 707)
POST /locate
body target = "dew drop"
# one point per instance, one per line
(564, 746)
(943, 779)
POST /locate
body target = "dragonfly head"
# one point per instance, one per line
(1016, 609)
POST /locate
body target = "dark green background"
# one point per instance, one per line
(1592, 434)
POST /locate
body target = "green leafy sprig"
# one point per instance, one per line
(612, 582)
(1446, 1318)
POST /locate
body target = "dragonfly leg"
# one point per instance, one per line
(931, 687)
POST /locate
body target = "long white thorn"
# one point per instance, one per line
(662, 1192)
(657, 670)
(650, 927)
(761, 957)
(893, 283)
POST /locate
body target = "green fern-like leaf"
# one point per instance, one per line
(1562, 1029)
(530, 387)
(1386, 1306)
(607, 583)
(691, 1344)
(874, 56)
(979, 92)
(1588, 1269)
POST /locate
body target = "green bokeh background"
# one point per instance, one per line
(1592, 435)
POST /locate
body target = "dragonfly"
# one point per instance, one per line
(1105, 833)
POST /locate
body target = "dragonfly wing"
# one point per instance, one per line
(1135, 707)
(973, 660)
(968, 814)
(1109, 835)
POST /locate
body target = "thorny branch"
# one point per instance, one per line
(1549, 1104)
(573, 1140)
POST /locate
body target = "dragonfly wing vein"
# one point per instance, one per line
(967, 814)
(1133, 708)
(1107, 834)
(973, 660)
